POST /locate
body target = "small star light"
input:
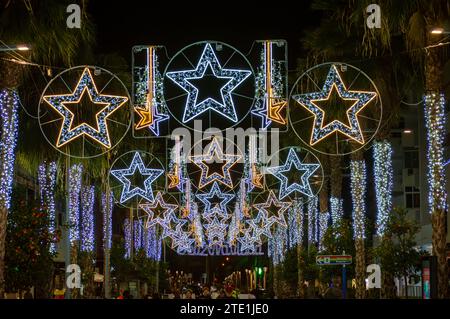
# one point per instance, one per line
(260, 225)
(215, 232)
(86, 85)
(360, 100)
(151, 119)
(215, 191)
(277, 217)
(183, 242)
(247, 242)
(216, 211)
(172, 225)
(121, 175)
(215, 151)
(194, 107)
(304, 186)
(157, 208)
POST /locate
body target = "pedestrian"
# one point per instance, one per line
(205, 293)
(28, 294)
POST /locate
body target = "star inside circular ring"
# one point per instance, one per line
(335, 108)
(210, 82)
(84, 111)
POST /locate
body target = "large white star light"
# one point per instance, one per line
(123, 176)
(194, 107)
(307, 170)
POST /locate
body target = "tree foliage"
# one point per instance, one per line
(29, 261)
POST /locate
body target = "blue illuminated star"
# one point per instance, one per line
(215, 191)
(334, 82)
(260, 225)
(121, 175)
(247, 242)
(260, 109)
(304, 186)
(157, 118)
(216, 211)
(193, 107)
(215, 232)
(86, 85)
(183, 241)
(172, 225)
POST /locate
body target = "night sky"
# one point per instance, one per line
(121, 25)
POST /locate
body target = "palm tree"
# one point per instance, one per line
(413, 21)
(41, 25)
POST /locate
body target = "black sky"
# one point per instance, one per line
(175, 24)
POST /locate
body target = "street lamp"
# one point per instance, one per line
(17, 47)
(439, 30)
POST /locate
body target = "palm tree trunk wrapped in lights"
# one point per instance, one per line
(323, 203)
(336, 201)
(358, 188)
(9, 104)
(437, 197)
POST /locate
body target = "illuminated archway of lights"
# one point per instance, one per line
(308, 171)
(86, 85)
(277, 217)
(215, 150)
(193, 107)
(334, 82)
(128, 192)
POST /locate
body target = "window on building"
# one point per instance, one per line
(412, 159)
(412, 197)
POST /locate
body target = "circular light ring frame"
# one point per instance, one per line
(274, 185)
(223, 141)
(292, 103)
(148, 159)
(180, 53)
(59, 76)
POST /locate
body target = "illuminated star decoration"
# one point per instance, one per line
(216, 211)
(215, 231)
(268, 108)
(260, 225)
(176, 174)
(170, 230)
(151, 119)
(121, 175)
(308, 169)
(215, 191)
(193, 107)
(277, 217)
(247, 242)
(215, 151)
(361, 99)
(150, 210)
(85, 85)
(183, 242)
(149, 115)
